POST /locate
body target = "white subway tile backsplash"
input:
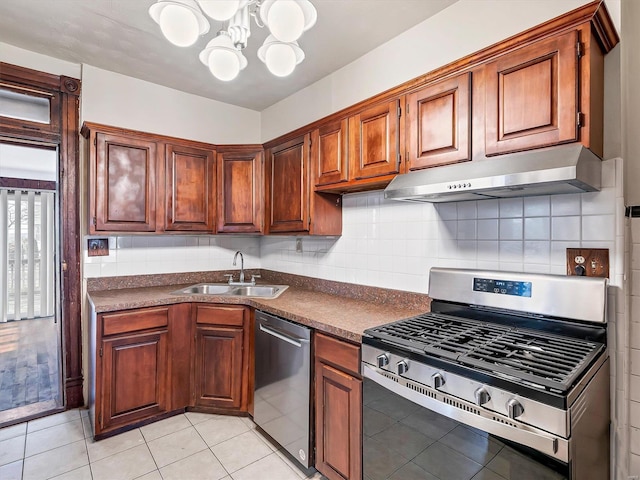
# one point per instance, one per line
(511, 251)
(565, 204)
(467, 229)
(511, 229)
(537, 206)
(511, 207)
(598, 227)
(537, 252)
(488, 209)
(599, 203)
(447, 211)
(488, 229)
(565, 228)
(537, 228)
(467, 210)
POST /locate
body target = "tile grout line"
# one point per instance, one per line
(208, 447)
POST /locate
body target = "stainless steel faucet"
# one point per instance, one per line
(241, 264)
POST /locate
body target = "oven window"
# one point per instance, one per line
(405, 441)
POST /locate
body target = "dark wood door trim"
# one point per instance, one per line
(66, 136)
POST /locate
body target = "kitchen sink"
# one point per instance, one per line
(262, 291)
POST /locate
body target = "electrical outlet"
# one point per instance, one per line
(298, 245)
(588, 262)
(98, 247)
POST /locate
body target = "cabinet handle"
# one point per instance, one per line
(282, 336)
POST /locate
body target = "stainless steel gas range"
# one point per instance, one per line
(506, 378)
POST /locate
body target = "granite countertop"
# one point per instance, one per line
(323, 305)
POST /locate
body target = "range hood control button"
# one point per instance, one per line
(438, 380)
(482, 396)
(514, 408)
(402, 367)
(383, 360)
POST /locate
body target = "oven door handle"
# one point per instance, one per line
(551, 445)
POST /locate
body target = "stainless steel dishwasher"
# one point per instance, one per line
(282, 384)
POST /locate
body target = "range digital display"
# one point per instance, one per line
(502, 287)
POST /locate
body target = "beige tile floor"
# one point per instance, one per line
(188, 446)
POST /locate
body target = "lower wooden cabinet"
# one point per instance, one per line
(154, 362)
(221, 369)
(338, 406)
(132, 367)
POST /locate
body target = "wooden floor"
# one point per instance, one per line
(29, 365)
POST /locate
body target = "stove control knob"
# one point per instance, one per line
(383, 360)
(402, 366)
(514, 408)
(438, 380)
(482, 396)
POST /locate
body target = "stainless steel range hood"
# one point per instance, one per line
(563, 169)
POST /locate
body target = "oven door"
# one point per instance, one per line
(405, 439)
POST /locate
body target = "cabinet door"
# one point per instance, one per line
(338, 423)
(329, 154)
(134, 372)
(125, 184)
(532, 96)
(288, 186)
(189, 189)
(374, 141)
(439, 119)
(240, 192)
(219, 367)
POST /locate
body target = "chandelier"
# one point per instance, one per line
(183, 21)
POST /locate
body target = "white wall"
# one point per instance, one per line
(37, 61)
(463, 28)
(114, 99)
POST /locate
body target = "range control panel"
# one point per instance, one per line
(502, 287)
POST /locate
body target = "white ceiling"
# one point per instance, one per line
(119, 35)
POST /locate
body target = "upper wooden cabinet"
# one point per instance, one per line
(329, 153)
(288, 186)
(532, 96)
(240, 200)
(140, 182)
(123, 183)
(439, 123)
(374, 141)
(291, 205)
(189, 188)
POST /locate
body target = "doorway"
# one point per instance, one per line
(30, 334)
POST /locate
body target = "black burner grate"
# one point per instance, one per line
(544, 359)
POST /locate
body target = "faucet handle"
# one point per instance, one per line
(253, 278)
(230, 275)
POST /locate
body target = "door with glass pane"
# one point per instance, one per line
(30, 370)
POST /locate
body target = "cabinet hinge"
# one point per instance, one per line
(95, 141)
(94, 220)
(407, 107)
(101, 351)
(579, 52)
(580, 119)
(399, 111)
(101, 420)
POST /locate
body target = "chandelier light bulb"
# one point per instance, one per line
(223, 59)
(179, 25)
(286, 20)
(221, 10)
(280, 59)
(181, 21)
(224, 65)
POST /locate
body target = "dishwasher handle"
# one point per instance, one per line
(283, 336)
